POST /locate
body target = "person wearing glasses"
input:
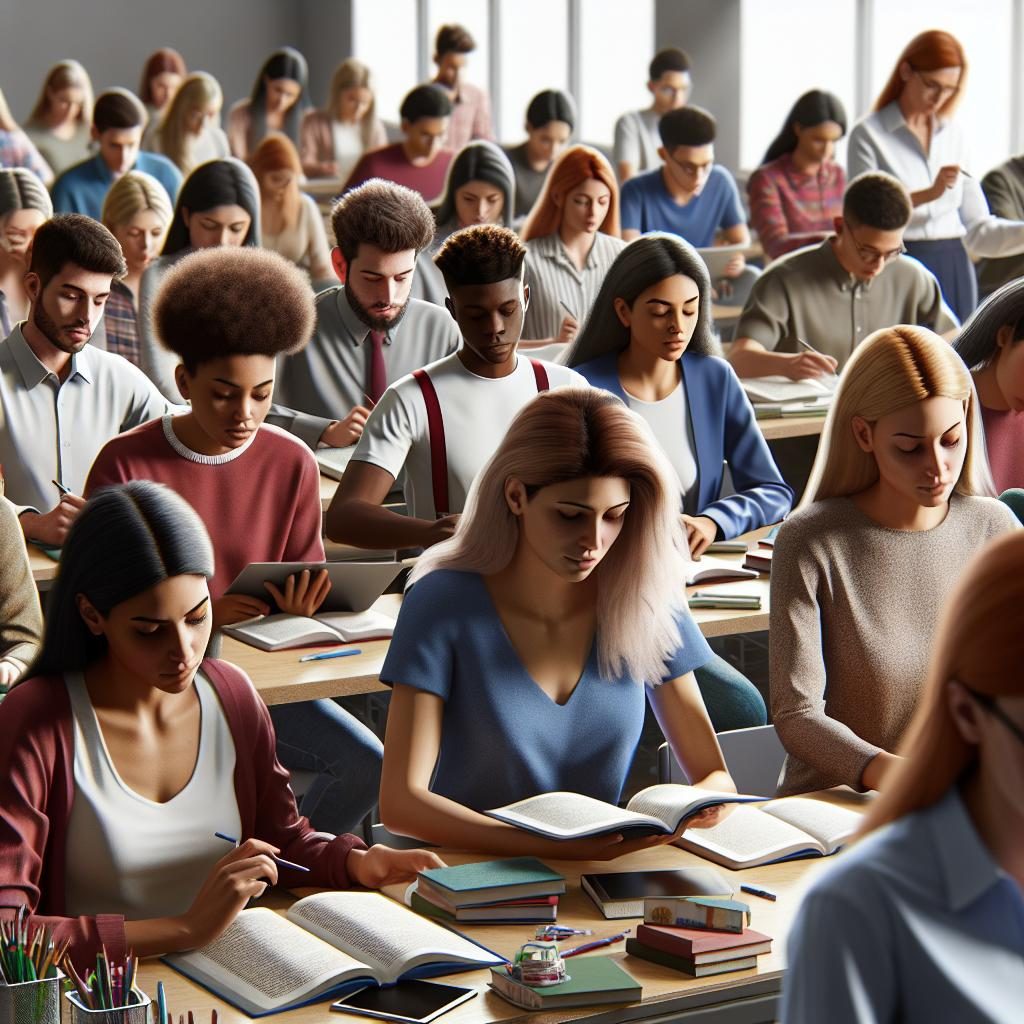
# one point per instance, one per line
(834, 294)
(912, 134)
(921, 920)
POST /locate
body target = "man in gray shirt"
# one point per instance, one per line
(832, 295)
(369, 332)
(61, 400)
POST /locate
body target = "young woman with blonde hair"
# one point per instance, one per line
(898, 502)
(526, 645)
(189, 133)
(920, 921)
(60, 125)
(332, 140)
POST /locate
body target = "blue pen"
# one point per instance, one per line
(161, 1004)
(280, 860)
(345, 652)
(765, 894)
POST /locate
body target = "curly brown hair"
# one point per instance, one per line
(481, 254)
(392, 217)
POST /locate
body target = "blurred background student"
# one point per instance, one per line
(60, 123)
(189, 132)
(162, 73)
(17, 149)
(280, 97)
(24, 206)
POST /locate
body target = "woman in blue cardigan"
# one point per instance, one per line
(649, 340)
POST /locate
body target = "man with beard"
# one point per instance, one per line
(61, 399)
(369, 332)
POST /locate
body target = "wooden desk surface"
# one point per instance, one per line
(665, 991)
(792, 426)
(44, 569)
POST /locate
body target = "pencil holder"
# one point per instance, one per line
(137, 1013)
(31, 1002)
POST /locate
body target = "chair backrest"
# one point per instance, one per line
(395, 841)
(753, 756)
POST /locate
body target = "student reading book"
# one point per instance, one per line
(126, 751)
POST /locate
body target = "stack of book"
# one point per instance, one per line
(517, 891)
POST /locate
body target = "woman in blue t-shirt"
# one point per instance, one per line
(521, 652)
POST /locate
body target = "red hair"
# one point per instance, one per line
(927, 51)
(278, 153)
(575, 166)
(164, 59)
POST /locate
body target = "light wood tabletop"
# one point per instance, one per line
(776, 429)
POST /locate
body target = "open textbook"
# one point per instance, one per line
(779, 830)
(278, 632)
(657, 810)
(265, 963)
(779, 389)
(709, 568)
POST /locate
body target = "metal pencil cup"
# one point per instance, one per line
(31, 1002)
(138, 1013)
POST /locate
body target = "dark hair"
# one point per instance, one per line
(670, 59)
(20, 189)
(639, 266)
(687, 126)
(481, 254)
(877, 200)
(381, 213)
(118, 108)
(284, 63)
(160, 61)
(125, 540)
(976, 343)
(478, 161)
(551, 105)
(813, 108)
(425, 101)
(453, 39)
(224, 182)
(204, 307)
(75, 238)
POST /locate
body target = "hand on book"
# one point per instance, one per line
(707, 818)
(303, 592)
(380, 865)
(232, 608)
(700, 532)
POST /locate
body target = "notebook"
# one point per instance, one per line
(782, 390)
(622, 893)
(593, 980)
(334, 461)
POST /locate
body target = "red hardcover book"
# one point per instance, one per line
(703, 946)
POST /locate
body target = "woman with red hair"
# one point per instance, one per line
(291, 222)
(573, 238)
(162, 73)
(912, 135)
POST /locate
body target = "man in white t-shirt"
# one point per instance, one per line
(442, 423)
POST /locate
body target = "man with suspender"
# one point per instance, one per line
(442, 423)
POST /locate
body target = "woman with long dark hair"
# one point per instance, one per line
(279, 100)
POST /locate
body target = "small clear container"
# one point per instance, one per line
(31, 1002)
(137, 1013)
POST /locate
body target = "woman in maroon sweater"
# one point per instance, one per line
(120, 720)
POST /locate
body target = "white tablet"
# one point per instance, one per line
(354, 585)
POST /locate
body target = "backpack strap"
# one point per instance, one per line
(438, 451)
(540, 374)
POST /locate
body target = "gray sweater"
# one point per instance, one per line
(854, 608)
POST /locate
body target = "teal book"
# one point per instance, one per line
(593, 981)
(491, 881)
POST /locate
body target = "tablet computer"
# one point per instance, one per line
(354, 585)
(717, 258)
(408, 1002)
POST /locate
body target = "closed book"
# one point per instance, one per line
(759, 559)
(492, 881)
(678, 963)
(593, 981)
(704, 946)
(529, 912)
(698, 912)
(621, 894)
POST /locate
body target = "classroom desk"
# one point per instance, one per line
(721, 311)
(44, 569)
(792, 426)
(750, 996)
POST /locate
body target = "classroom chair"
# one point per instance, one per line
(753, 756)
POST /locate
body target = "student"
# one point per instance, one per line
(920, 921)
(127, 751)
(912, 135)
(256, 488)
(797, 192)
(118, 121)
(419, 161)
(550, 121)
(471, 109)
(895, 509)
(21, 619)
(61, 399)
(834, 294)
(162, 74)
(332, 140)
(189, 131)
(572, 237)
(290, 222)
(24, 208)
(440, 425)
(17, 149)
(138, 212)
(1004, 192)
(636, 133)
(59, 125)
(280, 98)
(369, 331)
(989, 345)
(690, 196)
(528, 642)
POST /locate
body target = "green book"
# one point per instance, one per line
(492, 881)
(593, 981)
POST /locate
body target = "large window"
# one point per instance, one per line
(384, 37)
(473, 15)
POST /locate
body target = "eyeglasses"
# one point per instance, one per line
(934, 88)
(989, 703)
(869, 254)
(692, 170)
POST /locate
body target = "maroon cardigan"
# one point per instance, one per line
(37, 788)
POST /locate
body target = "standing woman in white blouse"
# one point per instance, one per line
(912, 135)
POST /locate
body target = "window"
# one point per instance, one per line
(384, 38)
(472, 15)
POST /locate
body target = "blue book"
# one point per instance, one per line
(491, 881)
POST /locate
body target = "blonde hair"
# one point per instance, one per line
(892, 369)
(353, 74)
(131, 194)
(66, 74)
(197, 92)
(979, 643)
(7, 122)
(569, 434)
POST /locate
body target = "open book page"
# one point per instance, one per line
(671, 802)
(711, 568)
(262, 962)
(383, 933)
(829, 824)
(782, 389)
(272, 631)
(358, 625)
(572, 815)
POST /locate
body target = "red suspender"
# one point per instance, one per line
(435, 431)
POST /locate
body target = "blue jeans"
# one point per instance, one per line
(319, 736)
(732, 700)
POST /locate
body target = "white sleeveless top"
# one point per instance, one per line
(127, 854)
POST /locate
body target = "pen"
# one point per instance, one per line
(280, 860)
(596, 944)
(567, 309)
(763, 893)
(731, 595)
(60, 487)
(324, 655)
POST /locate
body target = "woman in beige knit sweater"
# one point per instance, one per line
(21, 621)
